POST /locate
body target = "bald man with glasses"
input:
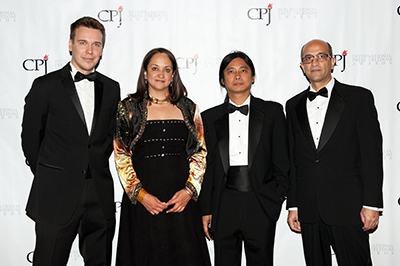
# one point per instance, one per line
(336, 164)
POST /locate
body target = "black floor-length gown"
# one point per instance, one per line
(161, 164)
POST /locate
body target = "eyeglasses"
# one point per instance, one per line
(320, 58)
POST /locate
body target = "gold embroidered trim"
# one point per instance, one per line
(185, 118)
(142, 124)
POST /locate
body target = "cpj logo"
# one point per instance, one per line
(260, 13)
(111, 15)
(35, 64)
(188, 62)
(342, 59)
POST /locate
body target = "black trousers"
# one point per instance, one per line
(242, 220)
(53, 242)
(349, 242)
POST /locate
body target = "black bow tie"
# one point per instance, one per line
(322, 92)
(244, 109)
(79, 76)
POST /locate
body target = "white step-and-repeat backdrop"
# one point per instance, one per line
(365, 36)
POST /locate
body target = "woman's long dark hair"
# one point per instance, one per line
(176, 92)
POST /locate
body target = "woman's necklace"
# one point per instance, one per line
(157, 101)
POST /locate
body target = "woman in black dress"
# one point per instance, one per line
(160, 156)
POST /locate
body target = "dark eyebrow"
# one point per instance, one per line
(159, 66)
(241, 67)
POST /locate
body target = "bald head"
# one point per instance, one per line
(316, 41)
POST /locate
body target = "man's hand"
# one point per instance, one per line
(370, 219)
(153, 204)
(180, 199)
(293, 221)
(206, 225)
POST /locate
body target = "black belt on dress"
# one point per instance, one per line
(238, 179)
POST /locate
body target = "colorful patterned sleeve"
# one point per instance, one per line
(122, 154)
(197, 162)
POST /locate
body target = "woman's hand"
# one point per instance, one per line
(180, 199)
(153, 204)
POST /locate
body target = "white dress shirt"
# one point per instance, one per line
(85, 90)
(316, 111)
(239, 136)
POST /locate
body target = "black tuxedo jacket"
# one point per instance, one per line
(268, 157)
(58, 148)
(345, 171)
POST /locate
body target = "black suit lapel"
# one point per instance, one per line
(255, 126)
(335, 109)
(222, 130)
(98, 97)
(70, 87)
(301, 111)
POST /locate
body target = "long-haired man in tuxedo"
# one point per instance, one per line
(246, 179)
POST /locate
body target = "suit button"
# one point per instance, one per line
(317, 161)
(89, 146)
